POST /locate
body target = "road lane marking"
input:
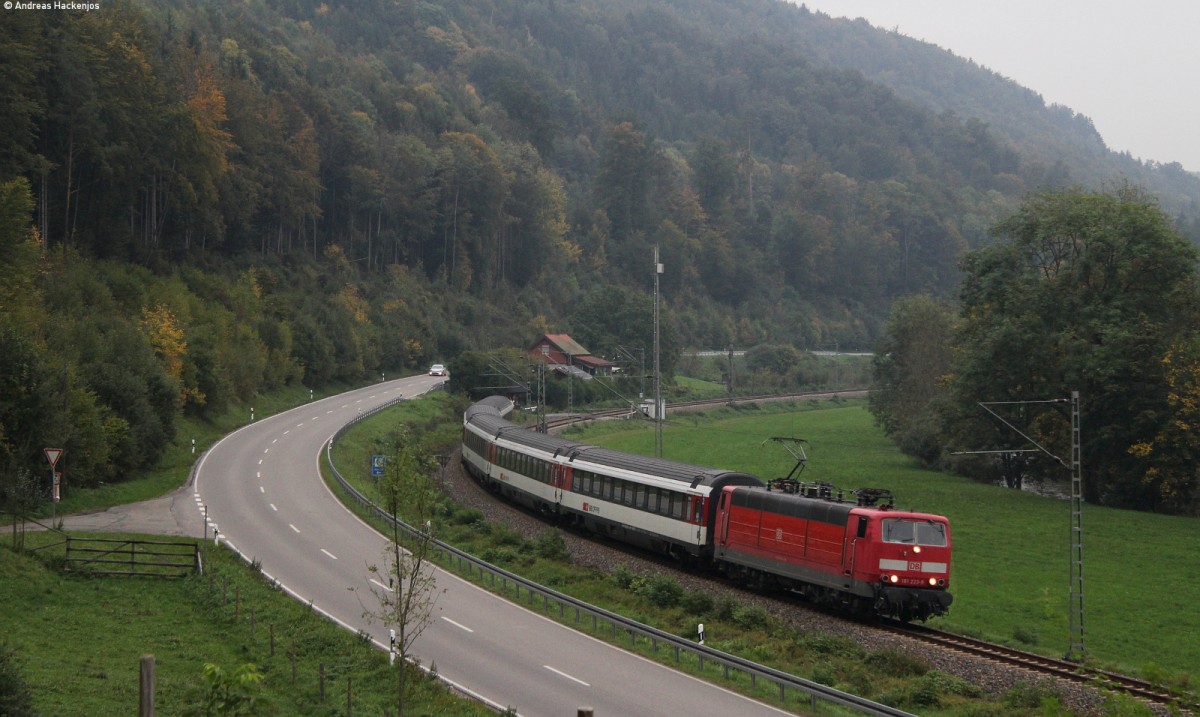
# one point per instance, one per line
(560, 672)
(293, 527)
(262, 490)
(273, 507)
(323, 550)
(458, 625)
(385, 587)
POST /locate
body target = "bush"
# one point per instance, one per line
(551, 546)
(1025, 635)
(725, 608)
(16, 699)
(750, 618)
(466, 516)
(896, 664)
(1025, 695)
(662, 590)
(697, 602)
(623, 577)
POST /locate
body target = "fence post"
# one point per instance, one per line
(146, 687)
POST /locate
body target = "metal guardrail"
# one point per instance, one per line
(634, 629)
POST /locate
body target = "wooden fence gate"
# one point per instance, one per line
(100, 556)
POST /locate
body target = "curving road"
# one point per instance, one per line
(262, 490)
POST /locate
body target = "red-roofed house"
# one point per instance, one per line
(560, 350)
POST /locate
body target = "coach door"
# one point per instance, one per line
(561, 480)
(858, 542)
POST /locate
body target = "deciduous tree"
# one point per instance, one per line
(1087, 291)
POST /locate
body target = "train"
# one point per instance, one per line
(849, 550)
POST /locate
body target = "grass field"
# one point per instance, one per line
(78, 641)
(1010, 573)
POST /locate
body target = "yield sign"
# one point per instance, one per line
(52, 455)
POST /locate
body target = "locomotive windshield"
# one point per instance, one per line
(914, 532)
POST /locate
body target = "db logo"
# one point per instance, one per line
(914, 567)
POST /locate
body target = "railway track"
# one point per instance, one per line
(1062, 669)
(1038, 664)
(564, 420)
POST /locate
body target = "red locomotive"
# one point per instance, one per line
(856, 553)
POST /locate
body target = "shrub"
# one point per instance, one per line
(1025, 634)
(662, 590)
(623, 577)
(551, 546)
(697, 602)
(467, 516)
(1025, 695)
(750, 617)
(896, 664)
(725, 608)
(16, 699)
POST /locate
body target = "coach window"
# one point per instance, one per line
(630, 493)
(678, 505)
(652, 505)
(640, 501)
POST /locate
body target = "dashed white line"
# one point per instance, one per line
(323, 550)
(569, 677)
(385, 587)
(456, 624)
(293, 527)
(273, 507)
(261, 489)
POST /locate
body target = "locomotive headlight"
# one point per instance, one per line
(916, 548)
(932, 582)
(894, 579)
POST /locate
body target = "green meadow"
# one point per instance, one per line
(1010, 572)
(76, 642)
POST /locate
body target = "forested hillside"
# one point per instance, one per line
(203, 200)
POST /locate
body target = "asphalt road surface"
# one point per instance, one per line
(263, 493)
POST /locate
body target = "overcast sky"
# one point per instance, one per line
(1129, 66)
